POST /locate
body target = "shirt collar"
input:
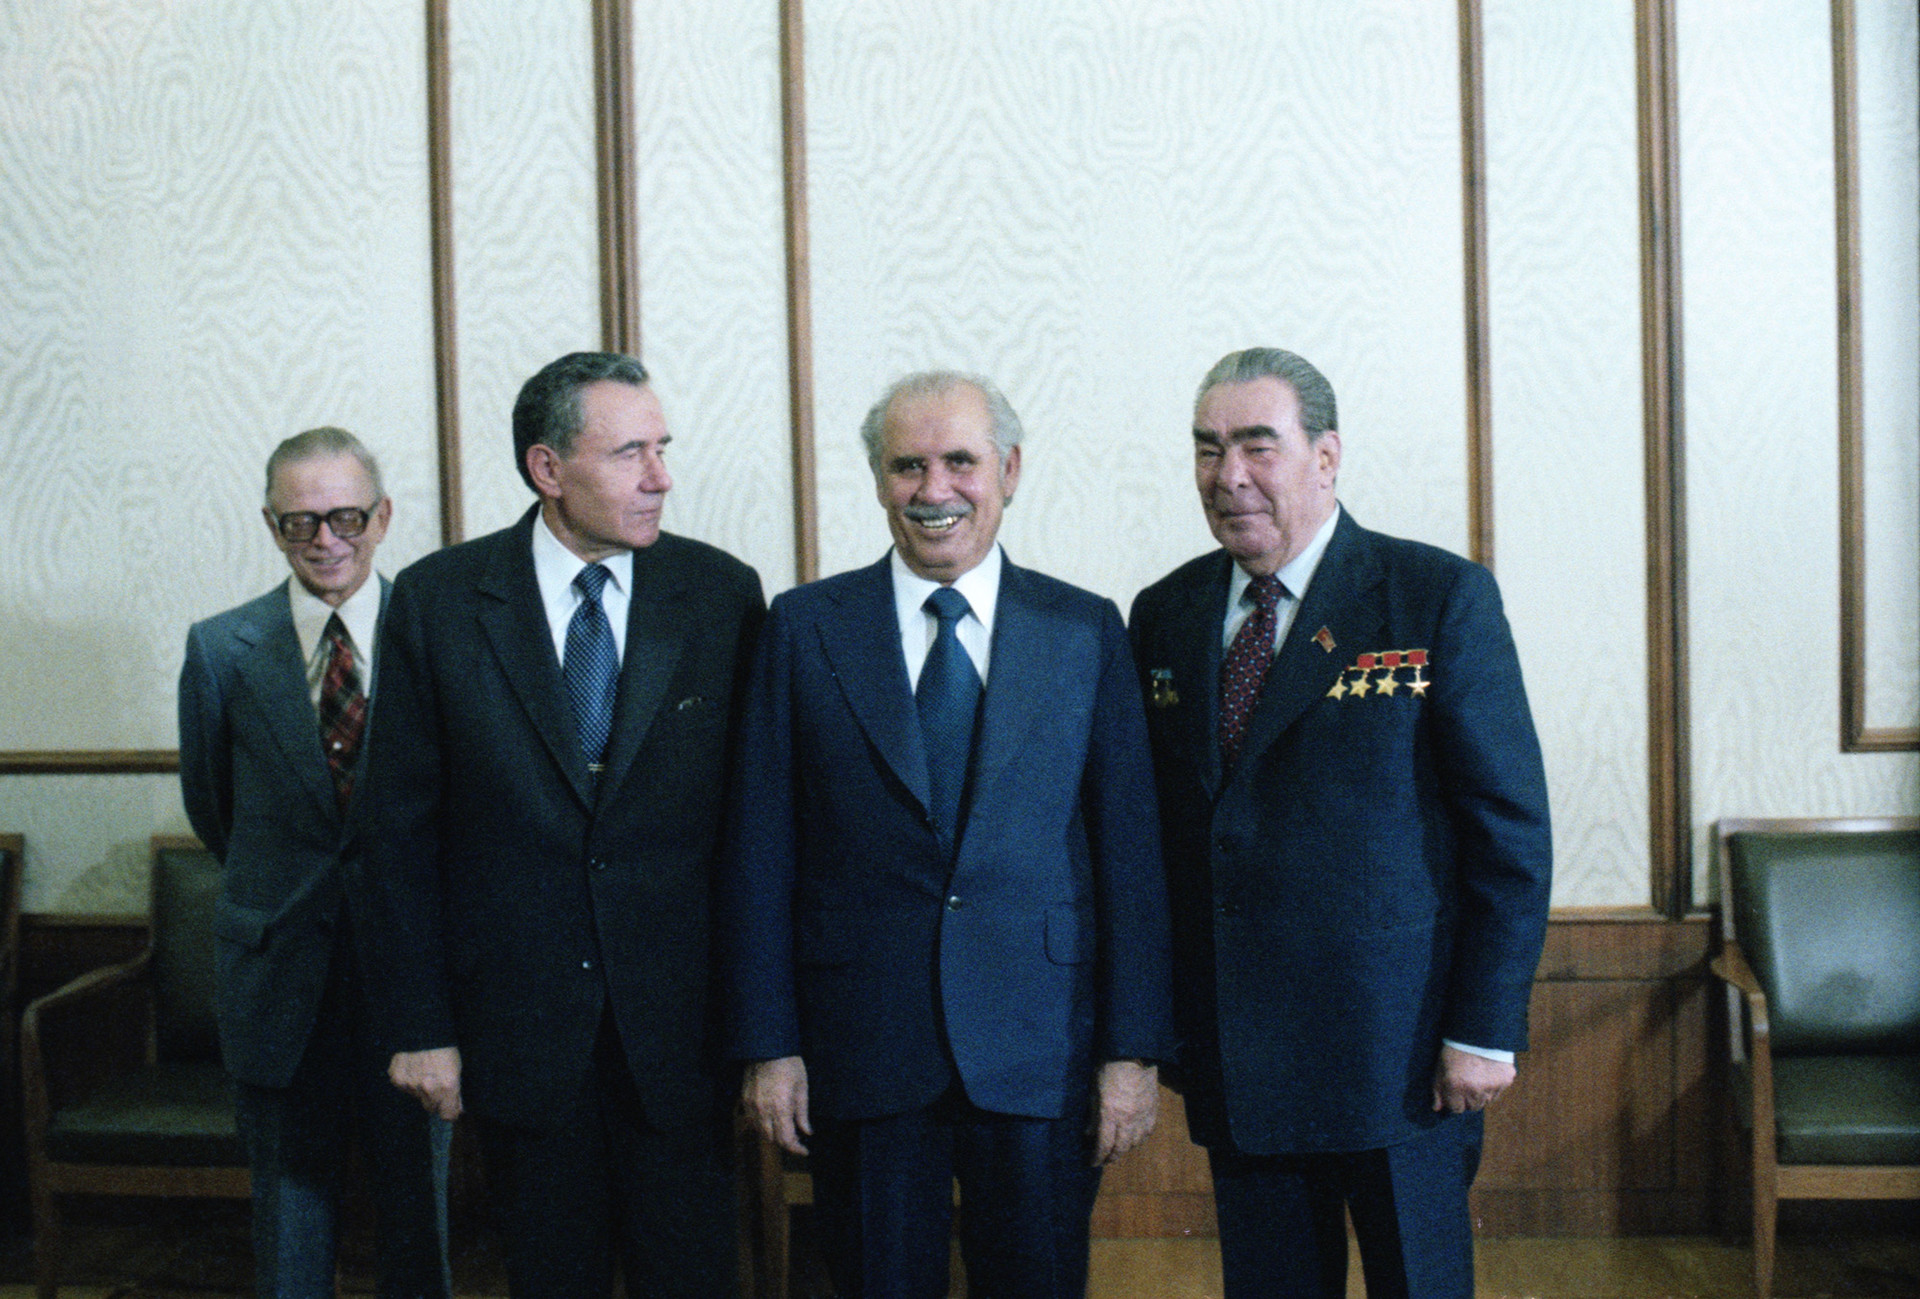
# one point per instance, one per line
(1295, 573)
(359, 611)
(980, 584)
(555, 567)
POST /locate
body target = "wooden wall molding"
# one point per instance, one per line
(793, 146)
(446, 367)
(617, 150)
(1855, 735)
(1669, 755)
(1473, 202)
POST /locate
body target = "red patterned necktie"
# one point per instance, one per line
(1245, 665)
(343, 709)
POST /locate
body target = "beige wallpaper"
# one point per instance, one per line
(216, 235)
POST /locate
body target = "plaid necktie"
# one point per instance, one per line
(948, 696)
(1245, 665)
(343, 709)
(591, 669)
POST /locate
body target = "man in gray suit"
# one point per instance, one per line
(273, 705)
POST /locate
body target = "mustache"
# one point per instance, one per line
(937, 513)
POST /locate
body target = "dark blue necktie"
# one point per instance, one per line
(591, 667)
(948, 696)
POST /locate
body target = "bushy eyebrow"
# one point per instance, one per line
(1251, 433)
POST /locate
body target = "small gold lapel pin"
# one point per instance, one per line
(1160, 690)
(1324, 639)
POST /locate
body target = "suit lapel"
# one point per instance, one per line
(275, 671)
(514, 621)
(656, 637)
(1302, 672)
(862, 649)
(1017, 697)
(1196, 667)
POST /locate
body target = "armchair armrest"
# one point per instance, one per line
(36, 1105)
(1731, 965)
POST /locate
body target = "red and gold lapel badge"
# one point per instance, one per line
(1385, 673)
(1160, 691)
(1324, 639)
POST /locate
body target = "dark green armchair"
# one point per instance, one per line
(160, 1125)
(1820, 952)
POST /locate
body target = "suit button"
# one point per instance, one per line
(1228, 908)
(599, 864)
(954, 903)
(586, 965)
(1226, 843)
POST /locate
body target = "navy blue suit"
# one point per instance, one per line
(993, 977)
(1372, 875)
(293, 1025)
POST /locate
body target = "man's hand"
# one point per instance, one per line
(1464, 1081)
(775, 1094)
(1128, 1095)
(433, 1076)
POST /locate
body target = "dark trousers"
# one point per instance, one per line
(298, 1138)
(1283, 1232)
(601, 1179)
(883, 1191)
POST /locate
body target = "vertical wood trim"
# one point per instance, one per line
(1855, 735)
(446, 369)
(615, 147)
(793, 135)
(1670, 802)
(1473, 190)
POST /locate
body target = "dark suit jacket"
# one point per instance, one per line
(1373, 874)
(853, 938)
(510, 900)
(260, 797)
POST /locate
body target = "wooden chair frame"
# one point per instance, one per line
(1750, 1042)
(48, 1178)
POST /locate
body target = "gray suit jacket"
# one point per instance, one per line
(259, 796)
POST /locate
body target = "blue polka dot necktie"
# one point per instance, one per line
(591, 666)
(1246, 663)
(948, 696)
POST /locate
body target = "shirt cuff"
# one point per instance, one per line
(1487, 1052)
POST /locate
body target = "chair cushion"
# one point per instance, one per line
(171, 1114)
(1848, 1109)
(1831, 925)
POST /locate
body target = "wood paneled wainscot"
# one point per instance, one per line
(1610, 1130)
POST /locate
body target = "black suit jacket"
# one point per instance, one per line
(1373, 874)
(856, 938)
(511, 900)
(259, 795)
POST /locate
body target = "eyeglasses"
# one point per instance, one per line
(346, 523)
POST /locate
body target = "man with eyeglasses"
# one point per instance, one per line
(273, 705)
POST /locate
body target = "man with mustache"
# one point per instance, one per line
(944, 925)
(1357, 850)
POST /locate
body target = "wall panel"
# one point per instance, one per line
(1757, 152)
(1091, 201)
(526, 276)
(1564, 280)
(712, 268)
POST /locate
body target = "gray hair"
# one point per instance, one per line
(547, 412)
(316, 443)
(1310, 387)
(933, 383)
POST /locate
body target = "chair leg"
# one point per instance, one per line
(1765, 1218)
(46, 1243)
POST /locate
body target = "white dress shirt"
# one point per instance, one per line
(555, 567)
(360, 612)
(979, 584)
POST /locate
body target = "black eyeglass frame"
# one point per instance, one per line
(301, 526)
